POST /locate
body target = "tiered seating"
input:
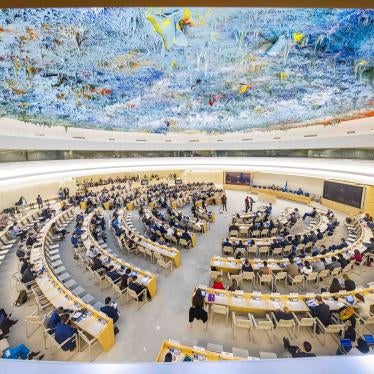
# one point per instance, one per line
(145, 277)
(149, 214)
(149, 249)
(54, 288)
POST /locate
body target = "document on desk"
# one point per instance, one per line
(276, 305)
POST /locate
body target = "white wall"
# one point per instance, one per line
(15, 134)
(48, 189)
(311, 185)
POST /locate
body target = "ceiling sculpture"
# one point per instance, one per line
(197, 69)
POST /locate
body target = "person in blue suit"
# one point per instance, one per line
(64, 332)
(55, 318)
(110, 310)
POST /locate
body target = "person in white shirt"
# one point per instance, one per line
(307, 268)
(362, 307)
(169, 232)
(91, 252)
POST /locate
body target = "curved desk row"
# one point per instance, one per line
(96, 324)
(145, 277)
(230, 265)
(320, 223)
(183, 353)
(283, 195)
(148, 213)
(256, 302)
(169, 252)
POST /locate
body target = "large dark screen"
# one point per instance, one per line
(233, 177)
(343, 193)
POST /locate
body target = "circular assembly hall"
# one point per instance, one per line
(186, 189)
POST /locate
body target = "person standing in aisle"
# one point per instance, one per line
(246, 204)
(224, 202)
(39, 201)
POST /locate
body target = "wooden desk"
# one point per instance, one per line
(172, 253)
(244, 302)
(96, 324)
(179, 231)
(148, 279)
(263, 242)
(180, 351)
(283, 195)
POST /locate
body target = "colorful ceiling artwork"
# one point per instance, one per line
(188, 69)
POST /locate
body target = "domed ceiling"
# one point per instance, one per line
(185, 69)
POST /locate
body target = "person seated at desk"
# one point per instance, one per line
(187, 237)
(343, 244)
(65, 333)
(168, 357)
(5, 323)
(247, 266)
(318, 265)
(265, 270)
(319, 234)
(24, 266)
(233, 227)
(234, 286)
(91, 252)
(31, 240)
(335, 286)
(291, 269)
(135, 286)
(57, 231)
(300, 192)
(21, 252)
(170, 232)
(305, 239)
(312, 214)
(342, 261)
(369, 246)
(112, 274)
(297, 352)
(46, 214)
(329, 229)
(125, 279)
(268, 209)
(274, 244)
(29, 274)
(296, 241)
(110, 310)
(322, 312)
(284, 314)
(20, 352)
(197, 309)
(56, 318)
(349, 284)
(313, 237)
(357, 257)
(97, 264)
(307, 268)
(292, 219)
(334, 264)
(239, 250)
(218, 284)
(17, 231)
(362, 307)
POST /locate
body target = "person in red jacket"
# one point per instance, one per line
(218, 284)
(357, 257)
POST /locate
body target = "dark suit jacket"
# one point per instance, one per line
(322, 312)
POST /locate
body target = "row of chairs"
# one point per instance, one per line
(300, 280)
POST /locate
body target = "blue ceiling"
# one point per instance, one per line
(197, 69)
